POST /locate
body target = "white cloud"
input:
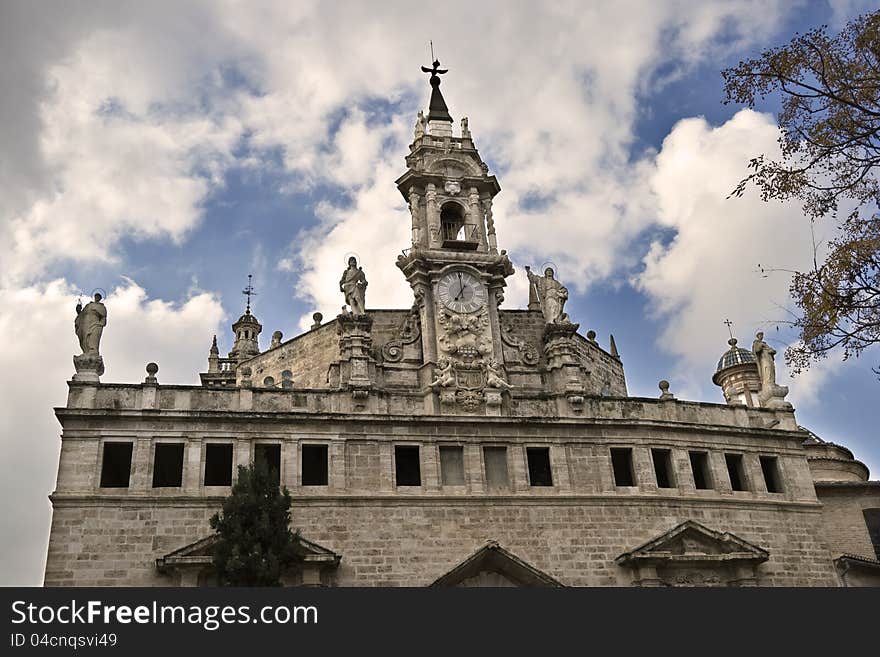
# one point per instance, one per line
(37, 322)
(709, 271)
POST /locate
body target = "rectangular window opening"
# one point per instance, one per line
(218, 464)
(270, 456)
(540, 473)
(407, 468)
(314, 465)
(452, 466)
(872, 520)
(663, 468)
(700, 469)
(116, 465)
(770, 468)
(496, 467)
(168, 465)
(736, 471)
(622, 463)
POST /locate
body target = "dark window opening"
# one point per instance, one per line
(700, 468)
(407, 468)
(621, 462)
(496, 467)
(540, 473)
(452, 466)
(270, 457)
(452, 223)
(736, 471)
(168, 465)
(218, 465)
(116, 465)
(663, 468)
(314, 465)
(872, 520)
(770, 468)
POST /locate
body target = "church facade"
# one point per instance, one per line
(456, 442)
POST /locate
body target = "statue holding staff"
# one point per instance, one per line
(89, 325)
(353, 285)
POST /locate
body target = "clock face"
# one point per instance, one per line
(461, 291)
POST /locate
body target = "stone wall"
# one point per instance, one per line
(390, 534)
(411, 543)
(842, 518)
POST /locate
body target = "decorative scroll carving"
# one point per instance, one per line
(527, 351)
(408, 332)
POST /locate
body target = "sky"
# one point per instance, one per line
(163, 151)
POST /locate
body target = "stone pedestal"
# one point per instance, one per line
(89, 367)
(356, 364)
(562, 363)
(774, 397)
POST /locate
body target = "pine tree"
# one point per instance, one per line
(256, 543)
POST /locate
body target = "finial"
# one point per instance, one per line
(151, 368)
(612, 346)
(214, 349)
(317, 318)
(664, 390)
(729, 324)
(435, 72)
(249, 292)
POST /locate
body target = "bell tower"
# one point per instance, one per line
(453, 264)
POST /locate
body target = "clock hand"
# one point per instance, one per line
(460, 287)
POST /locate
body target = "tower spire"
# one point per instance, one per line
(437, 110)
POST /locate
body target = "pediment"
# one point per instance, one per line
(689, 542)
(201, 553)
(493, 566)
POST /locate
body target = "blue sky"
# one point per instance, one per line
(165, 153)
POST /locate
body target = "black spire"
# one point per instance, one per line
(437, 110)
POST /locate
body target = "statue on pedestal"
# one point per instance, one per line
(353, 285)
(89, 326)
(772, 395)
(552, 296)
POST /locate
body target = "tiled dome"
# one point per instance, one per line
(734, 356)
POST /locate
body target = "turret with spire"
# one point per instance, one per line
(246, 330)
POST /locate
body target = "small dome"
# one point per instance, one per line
(247, 318)
(734, 356)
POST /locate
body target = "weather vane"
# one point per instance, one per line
(729, 324)
(249, 292)
(436, 71)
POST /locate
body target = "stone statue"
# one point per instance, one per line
(771, 395)
(552, 296)
(444, 376)
(421, 122)
(764, 354)
(495, 376)
(353, 285)
(89, 325)
(465, 131)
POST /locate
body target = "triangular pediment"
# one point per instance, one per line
(691, 541)
(493, 566)
(202, 552)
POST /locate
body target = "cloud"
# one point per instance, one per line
(709, 270)
(37, 322)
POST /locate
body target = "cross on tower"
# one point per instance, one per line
(729, 324)
(249, 292)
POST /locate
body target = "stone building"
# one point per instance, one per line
(458, 442)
